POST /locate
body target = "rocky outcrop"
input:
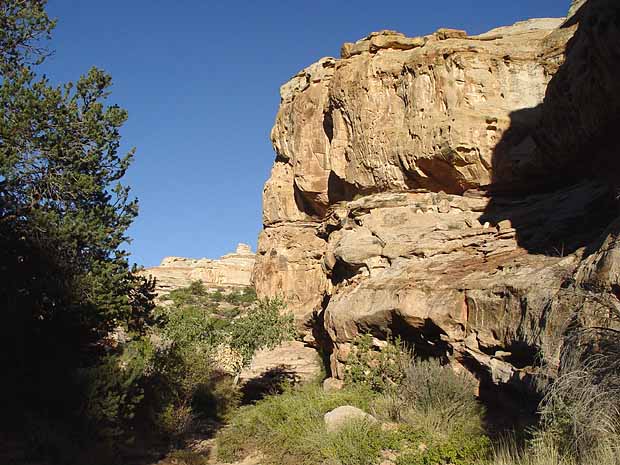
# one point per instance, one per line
(457, 190)
(290, 361)
(231, 270)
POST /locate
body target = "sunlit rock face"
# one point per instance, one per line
(457, 190)
(231, 270)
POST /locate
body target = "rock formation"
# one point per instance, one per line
(292, 361)
(460, 191)
(231, 270)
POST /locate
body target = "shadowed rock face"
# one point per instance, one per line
(458, 191)
(231, 270)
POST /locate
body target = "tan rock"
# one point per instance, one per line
(293, 360)
(451, 189)
(332, 384)
(231, 270)
(445, 33)
(340, 416)
(289, 265)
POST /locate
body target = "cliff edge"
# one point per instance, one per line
(231, 270)
(459, 191)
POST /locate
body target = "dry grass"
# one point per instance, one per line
(434, 398)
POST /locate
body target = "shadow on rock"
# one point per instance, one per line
(272, 381)
(555, 172)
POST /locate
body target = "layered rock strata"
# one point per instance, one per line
(231, 270)
(459, 191)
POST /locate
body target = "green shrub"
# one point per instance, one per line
(114, 390)
(175, 420)
(458, 449)
(580, 412)
(356, 443)
(440, 418)
(264, 327)
(197, 288)
(190, 376)
(545, 452)
(381, 369)
(217, 296)
(433, 397)
(189, 325)
(288, 428)
(243, 297)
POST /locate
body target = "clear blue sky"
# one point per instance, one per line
(200, 80)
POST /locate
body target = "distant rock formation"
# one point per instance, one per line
(454, 190)
(231, 270)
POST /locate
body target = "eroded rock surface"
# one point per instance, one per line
(231, 270)
(459, 191)
(291, 361)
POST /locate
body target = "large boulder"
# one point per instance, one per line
(340, 416)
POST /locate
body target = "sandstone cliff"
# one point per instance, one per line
(231, 270)
(460, 191)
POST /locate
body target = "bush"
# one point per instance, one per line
(356, 443)
(458, 449)
(438, 398)
(197, 288)
(380, 368)
(288, 428)
(264, 327)
(189, 325)
(580, 412)
(190, 374)
(114, 390)
(243, 297)
(545, 452)
(442, 415)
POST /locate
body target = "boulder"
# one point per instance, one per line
(291, 360)
(332, 384)
(340, 416)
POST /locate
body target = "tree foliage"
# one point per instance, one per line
(65, 281)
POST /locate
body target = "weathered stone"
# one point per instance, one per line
(445, 33)
(332, 384)
(452, 190)
(340, 416)
(289, 264)
(231, 270)
(291, 360)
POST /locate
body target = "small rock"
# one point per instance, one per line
(340, 416)
(445, 33)
(390, 426)
(504, 225)
(502, 355)
(332, 384)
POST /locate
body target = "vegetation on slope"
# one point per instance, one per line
(428, 414)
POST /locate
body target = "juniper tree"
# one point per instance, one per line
(65, 281)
